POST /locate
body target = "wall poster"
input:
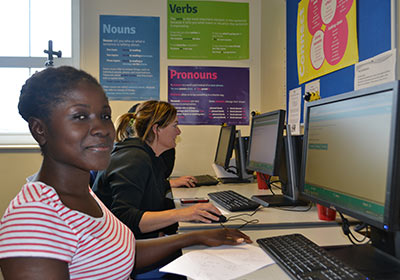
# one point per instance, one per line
(326, 37)
(208, 30)
(209, 95)
(130, 57)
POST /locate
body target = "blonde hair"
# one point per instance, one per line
(124, 126)
(141, 123)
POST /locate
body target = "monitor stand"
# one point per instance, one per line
(368, 260)
(277, 200)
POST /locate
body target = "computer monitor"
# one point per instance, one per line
(226, 141)
(231, 142)
(273, 154)
(266, 142)
(351, 159)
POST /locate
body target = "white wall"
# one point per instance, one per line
(197, 144)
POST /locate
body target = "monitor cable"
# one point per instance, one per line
(270, 183)
(347, 231)
(239, 218)
(229, 170)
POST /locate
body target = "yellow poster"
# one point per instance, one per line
(326, 37)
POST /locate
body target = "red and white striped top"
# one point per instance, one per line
(38, 224)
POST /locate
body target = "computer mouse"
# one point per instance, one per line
(222, 218)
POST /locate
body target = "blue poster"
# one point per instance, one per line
(209, 95)
(130, 57)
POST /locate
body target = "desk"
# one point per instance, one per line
(323, 236)
(269, 217)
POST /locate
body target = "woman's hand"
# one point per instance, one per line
(184, 181)
(224, 236)
(200, 212)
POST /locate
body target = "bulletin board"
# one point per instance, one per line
(374, 37)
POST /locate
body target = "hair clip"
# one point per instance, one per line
(131, 121)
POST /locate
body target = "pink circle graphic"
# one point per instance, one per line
(328, 10)
(343, 7)
(314, 20)
(317, 55)
(335, 41)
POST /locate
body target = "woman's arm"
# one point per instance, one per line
(33, 268)
(153, 250)
(184, 181)
(154, 220)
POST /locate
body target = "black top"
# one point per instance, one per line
(168, 158)
(134, 183)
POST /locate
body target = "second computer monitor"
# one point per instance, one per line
(265, 144)
(225, 146)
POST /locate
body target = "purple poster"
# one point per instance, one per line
(209, 95)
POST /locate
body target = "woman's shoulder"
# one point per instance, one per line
(35, 196)
(37, 192)
(133, 148)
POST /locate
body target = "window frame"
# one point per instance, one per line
(25, 140)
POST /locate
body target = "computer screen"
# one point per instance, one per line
(265, 144)
(272, 154)
(225, 146)
(351, 155)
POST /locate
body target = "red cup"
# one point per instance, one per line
(261, 180)
(325, 213)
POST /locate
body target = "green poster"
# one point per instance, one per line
(208, 30)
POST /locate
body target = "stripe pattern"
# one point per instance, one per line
(38, 224)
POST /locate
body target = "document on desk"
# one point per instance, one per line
(223, 262)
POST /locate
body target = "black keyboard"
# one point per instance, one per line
(205, 180)
(233, 201)
(303, 259)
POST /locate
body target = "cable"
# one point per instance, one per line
(267, 182)
(272, 183)
(232, 171)
(237, 218)
(347, 231)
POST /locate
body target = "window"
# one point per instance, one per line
(26, 26)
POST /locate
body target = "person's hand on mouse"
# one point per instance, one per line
(184, 181)
(200, 212)
(224, 236)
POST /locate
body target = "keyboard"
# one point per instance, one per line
(205, 180)
(233, 201)
(233, 180)
(303, 259)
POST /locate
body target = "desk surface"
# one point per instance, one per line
(323, 236)
(268, 217)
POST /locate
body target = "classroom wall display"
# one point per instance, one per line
(209, 95)
(208, 30)
(374, 29)
(326, 37)
(130, 57)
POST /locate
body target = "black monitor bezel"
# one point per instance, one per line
(278, 144)
(231, 143)
(392, 202)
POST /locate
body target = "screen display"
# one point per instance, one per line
(266, 130)
(225, 146)
(347, 153)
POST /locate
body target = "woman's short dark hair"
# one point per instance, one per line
(46, 88)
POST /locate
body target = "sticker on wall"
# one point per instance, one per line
(208, 30)
(326, 37)
(209, 95)
(130, 57)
